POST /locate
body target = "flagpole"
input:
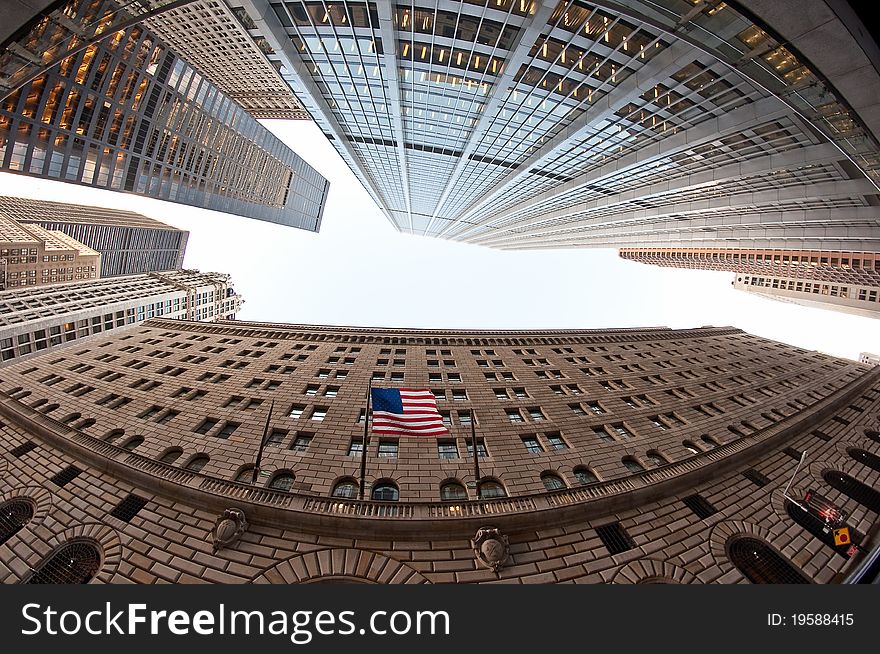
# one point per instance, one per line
(476, 454)
(364, 441)
(262, 444)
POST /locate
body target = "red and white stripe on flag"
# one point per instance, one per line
(419, 416)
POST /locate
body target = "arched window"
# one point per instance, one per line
(873, 434)
(864, 495)
(490, 489)
(197, 463)
(864, 457)
(632, 465)
(75, 562)
(346, 488)
(49, 408)
(113, 435)
(815, 526)
(245, 475)
(14, 514)
(552, 482)
(283, 481)
(584, 475)
(452, 491)
(85, 423)
(761, 564)
(656, 458)
(708, 440)
(133, 442)
(71, 417)
(691, 447)
(386, 491)
(171, 455)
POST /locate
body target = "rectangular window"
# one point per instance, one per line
(532, 444)
(447, 449)
(206, 425)
(387, 448)
(301, 442)
(355, 448)
(276, 437)
(482, 453)
(296, 411)
(319, 413)
(514, 415)
(227, 429)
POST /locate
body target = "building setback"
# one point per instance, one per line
(35, 320)
(521, 125)
(129, 243)
(31, 255)
(622, 456)
(128, 114)
(211, 36)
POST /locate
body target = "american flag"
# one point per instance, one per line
(406, 412)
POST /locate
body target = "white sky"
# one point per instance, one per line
(360, 271)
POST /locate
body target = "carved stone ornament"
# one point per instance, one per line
(491, 548)
(229, 528)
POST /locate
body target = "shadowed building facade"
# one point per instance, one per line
(623, 456)
(129, 243)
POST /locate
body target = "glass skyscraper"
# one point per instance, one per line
(544, 124)
(128, 114)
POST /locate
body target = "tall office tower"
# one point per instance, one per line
(621, 456)
(853, 298)
(214, 39)
(33, 320)
(129, 242)
(545, 123)
(127, 114)
(841, 281)
(37, 34)
(31, 255)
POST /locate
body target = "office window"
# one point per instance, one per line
(532, 444)
(447, 449)
(385, 492)
(388, 448)
(452, 492)
(585, 475)
(319, 413)
(481, 448)
(552, 482)
(556, 441)
(514, 415)
(301, 442)
(296, 411)
(346, 488)
(491, 489)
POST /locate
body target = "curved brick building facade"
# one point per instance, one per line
(619, 456)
